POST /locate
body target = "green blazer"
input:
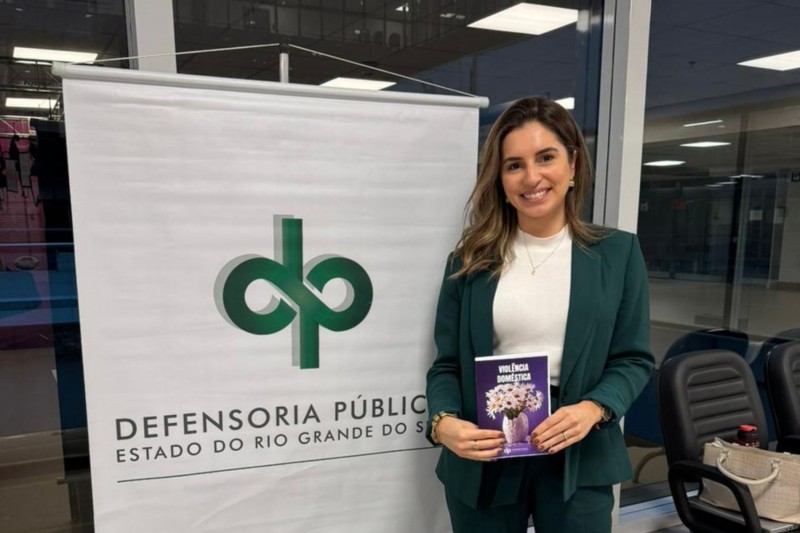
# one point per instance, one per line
(606, 358)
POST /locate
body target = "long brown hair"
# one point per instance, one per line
(487, 240)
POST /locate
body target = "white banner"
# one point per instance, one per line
(257, 277)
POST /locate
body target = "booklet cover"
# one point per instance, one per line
(513, 395)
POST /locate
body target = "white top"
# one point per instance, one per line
(530, 311)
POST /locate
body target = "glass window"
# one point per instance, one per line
(720, 194)
(427, 39)
(44, 455)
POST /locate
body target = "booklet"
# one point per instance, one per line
(513, 395)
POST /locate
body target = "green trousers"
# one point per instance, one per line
(587, 511)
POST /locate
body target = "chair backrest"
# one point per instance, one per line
(783, 385)
(759, 363)
(703, 395)
(639, 420)
(710, 339)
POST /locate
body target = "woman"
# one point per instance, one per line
(528, 275)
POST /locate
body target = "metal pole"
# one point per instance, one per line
(284, 63)
(733, 289)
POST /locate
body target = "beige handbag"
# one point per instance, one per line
(773, 479)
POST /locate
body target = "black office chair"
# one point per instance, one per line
(782, 369)
(703, 395)
(759, 366)
(641, 427)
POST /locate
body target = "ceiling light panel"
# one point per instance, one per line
(707, 122)
(786, 61)
(355, 83)
(31, 103)
(527, 18)
(665, 163)
(42, 54)
(567, 103)
(706, 144)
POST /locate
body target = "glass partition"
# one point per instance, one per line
(44, 455)
(720, 195)
(433, 40)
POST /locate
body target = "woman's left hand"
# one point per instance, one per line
(568, 425)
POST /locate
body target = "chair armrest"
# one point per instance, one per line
(789, 443)
(682, 472)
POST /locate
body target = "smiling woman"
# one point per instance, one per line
(537, 171)
(535, 147)
(525, 204)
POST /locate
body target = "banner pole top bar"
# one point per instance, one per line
(80, 70)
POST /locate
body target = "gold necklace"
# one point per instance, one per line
(528, 252)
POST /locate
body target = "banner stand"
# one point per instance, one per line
(258, 265)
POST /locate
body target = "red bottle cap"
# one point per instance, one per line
(747, 428)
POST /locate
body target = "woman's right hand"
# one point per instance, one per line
(468, 441)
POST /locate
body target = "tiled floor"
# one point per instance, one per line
(35, 494)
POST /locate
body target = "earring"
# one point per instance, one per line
(507, 200)
(571, 182)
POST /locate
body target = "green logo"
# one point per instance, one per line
(299, 305)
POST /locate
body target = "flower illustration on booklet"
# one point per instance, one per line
(513, 395)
